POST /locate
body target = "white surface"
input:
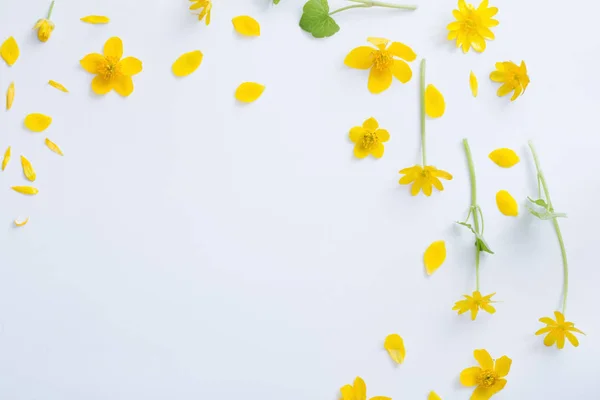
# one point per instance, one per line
(187, 247)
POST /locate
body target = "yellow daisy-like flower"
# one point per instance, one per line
(111, 71)
(474, 303)
(472, 25)
(382, 63)
(206, 6)
(358, 391)
(369, 139)
(558, 330)
(44, 29)
(512, 76)
(488, 377)
(423, 178)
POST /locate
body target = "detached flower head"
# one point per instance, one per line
(369, 139)
(423, 178)
(472, 25)
(206, 6)
(512, 76)
(382, 63)
(44, 29)
(488, 377)
(558, 330)
(474, 303)
(111, 71)
(358, 391)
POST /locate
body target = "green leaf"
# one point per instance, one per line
(539, 202)
(546, 215)
(468, 226)
(316, 20)
(479, 240)
(275, 1)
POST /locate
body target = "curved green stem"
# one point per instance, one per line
(50, 10)
(373, 3)
(473, 204)
(349, 7)
(423, 136)
(563, 250)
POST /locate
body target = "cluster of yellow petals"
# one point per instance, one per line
(472, 25)
(206, 6)
(488, 377)
(474, 303)
(358, 391)
(369, 139)
(423, 178)
(557, 330)
(44, 29)
(513, 78)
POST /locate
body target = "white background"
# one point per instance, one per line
(188, 247)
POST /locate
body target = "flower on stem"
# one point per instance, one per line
(45, 26)
(382, 63)
(558, 330)
(474, 303)
(513, 78)
(206, 6)
(472, 25)
(488, 377)
(423, 179)
(369, 139)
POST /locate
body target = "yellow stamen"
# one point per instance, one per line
(382, 60)
(369, 140)
(487, 378)
(110, 68)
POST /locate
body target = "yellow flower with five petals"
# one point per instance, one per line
(423, 178)
(206, 6)
(382, 62)
(474, 303)
(558, 330)
(472, 25)
(358, 391)
(112, 72)
(512, 76)
(369, 139)
(488, 377)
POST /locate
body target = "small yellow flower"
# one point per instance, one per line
(472, 25)
(382, 63)
(369, 139)
(44, 29)
(206, 6)
(423, 178)
(358, 391)
(558, 330)
(488, 377)
(512, 76)
(111, 71)
(474, 303)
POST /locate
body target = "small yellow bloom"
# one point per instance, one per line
(44, 29)
(206, 6)
(369, 139)
(382, 63)
(472, 25)
(111, 71)
(358, 391)
(424, 178)
(558, 330)
(394, 344)
(474, 303)
(488, 377)
(512, 76)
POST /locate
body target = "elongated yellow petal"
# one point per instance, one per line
(28, 169)
(247, 26)
(394, 344)
(435, 105)
(20, 223)
(248, 92)
(473, 84)
(507, 204)
(504, 157)
(53, 146)
(187, 63)
(58, 86)
(6, 158)
(95, 19)
(433, 396)
(10, 51)
(29, 190)
(10, 95)
(434, 257)
(37, 122)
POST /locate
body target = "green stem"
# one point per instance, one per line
(473, 204)
(50, 10)
(561, 242)
(423, 137)
(373, 3)
(349, 7)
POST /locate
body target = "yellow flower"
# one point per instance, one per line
(472, 25)
(474, 303)
(558, 330)
(488, 377)
(513, 76)
(206, 6)
(358, 391)
(111, 71)
(44, 29)
(424, 178)
(369, 139)
(382, 63)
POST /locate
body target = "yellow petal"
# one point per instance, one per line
(248, 92)
(507, 204)
(394, 345)
(58, 86)
(347, 392)
(433, 396)
(360, 389)
(101, 85)
(30, 190)
(123, 85)
(247, 26)
(114, 48)
(504, 157)
(92, 62)
(37, 122)
(6, 158)
(484, 359)
(187, 63)
(95, 19)
(28, 169)
(10, 51)
(360, 57)
(434, 102)
(22, 222)
(130, 66)
(434, 257)
(53, 146)
(502, 366)
(468, 376)
(10, 95)
(473, 84)
(403, 51)
(379, 80)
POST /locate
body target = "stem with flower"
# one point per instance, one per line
(373, 3)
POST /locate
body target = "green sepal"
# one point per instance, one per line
(479, 240)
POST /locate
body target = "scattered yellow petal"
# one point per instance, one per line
(507, 204)
(394, 345)
(30, 190)
(247, 26)
(37, 122)
(6, 158)
(10, 96)
(434, 257)
(53, 146)
(434, 102)
(504, 157)
(187, 63)
(433, 396)
(96, 19)
(22, 222)
(28, 169)
(58, 86)
(248, 92)
(473, 84)
(10, 51)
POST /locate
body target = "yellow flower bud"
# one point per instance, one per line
(44, 29)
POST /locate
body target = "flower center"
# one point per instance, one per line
(425, 174)
(369, 140)
(487, 378)
(382, 60)
(110, 68)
